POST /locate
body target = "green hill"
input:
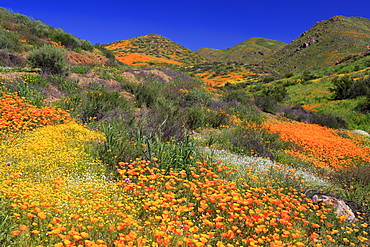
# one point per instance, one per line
(252, 50)
(326, 43)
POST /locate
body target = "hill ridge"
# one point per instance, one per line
(324, 44)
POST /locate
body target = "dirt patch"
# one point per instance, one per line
(85, 57)
(86, 80)
(140, 75)
(53, 94)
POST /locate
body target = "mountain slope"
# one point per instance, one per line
(19, 34)
(251, 50)
(325, 44)
(152, 49)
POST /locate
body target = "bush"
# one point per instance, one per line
(86, 45)
(197, 95)
(5, 41)
(50, 59)
(22, 19)
(40, 29)
(347, 88)
(66, 39)
(107, 53)
(269, 97)
(298, 113)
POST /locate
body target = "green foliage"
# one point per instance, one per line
(355, 182)
(347, 88)
(269, 97)
(341, 87)
(80, 69)
(254, 140)
(5, 223)
(22, 19)
(66, 39)
(307, 76)
(40, 29)
(298, 113)
(86, 45)
(117, 147)
(107, 53)
(6, 42)
(30, 86)
(198, 96)
(238, 96)
(50, 59)
(96, 104)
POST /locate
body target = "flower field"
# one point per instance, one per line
(321, 146)
(55, 192)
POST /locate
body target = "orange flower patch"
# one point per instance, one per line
(218, 81)
(17, 115)
(140, 59)
(319, 145)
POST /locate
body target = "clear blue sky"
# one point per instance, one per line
(194, 24)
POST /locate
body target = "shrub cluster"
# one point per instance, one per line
(269, 97)
(50, 59)
(298, 113)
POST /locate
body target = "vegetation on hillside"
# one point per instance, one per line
(327, 43)
(152, 50)
(120, 155)
(251, 51)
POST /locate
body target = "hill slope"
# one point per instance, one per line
(252, 50)
(325, 44)
(152, 49)
(19, 34)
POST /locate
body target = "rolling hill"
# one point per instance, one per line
(326, 43)
(152, 49)
(250, 51)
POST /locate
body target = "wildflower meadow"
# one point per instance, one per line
(55, 191)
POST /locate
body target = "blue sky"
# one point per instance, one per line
(194, 24)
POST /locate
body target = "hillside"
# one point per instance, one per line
(326, 43)
(94, 152)
(250, 51)
(152, 50)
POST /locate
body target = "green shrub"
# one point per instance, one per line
(341, 87)
(196, 95)
(86, 45)
(79, 69)
(50, 59)
(107, 53)
(22, 19)
(5, 41)
(40, 29)
(307, 76)
(67, 40)
(347, 88)
(298, 113)
(269, 98)
(254, 141)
